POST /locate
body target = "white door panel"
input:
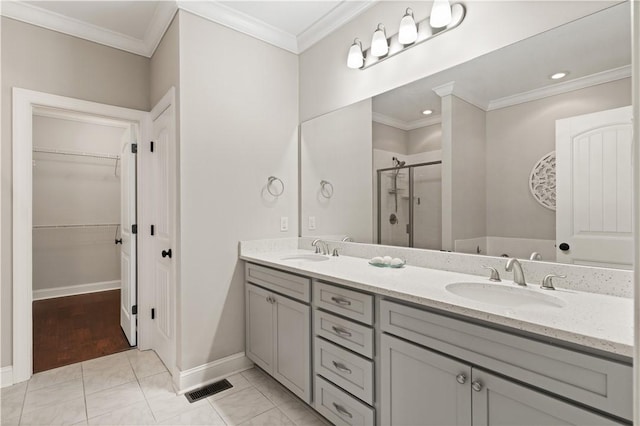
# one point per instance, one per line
(594, 176)
(128, 279)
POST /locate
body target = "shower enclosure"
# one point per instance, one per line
(410, 205)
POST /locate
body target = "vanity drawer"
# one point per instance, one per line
(348, 371)
(339, 407)
(349, 303)
(357, 337)
(597, 382)
(290, 285)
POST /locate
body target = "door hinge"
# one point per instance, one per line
(153, 313)
(153, 229)
(151, 146)
(134, 229)
(134, 148)
(134, 310)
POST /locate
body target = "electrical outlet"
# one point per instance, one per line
(284, 223)
(312, 223)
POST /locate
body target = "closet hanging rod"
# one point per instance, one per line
(86, 225)
(76, 153)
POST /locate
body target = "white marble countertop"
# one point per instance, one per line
(588, 319)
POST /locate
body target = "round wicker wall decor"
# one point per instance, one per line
(542, 181)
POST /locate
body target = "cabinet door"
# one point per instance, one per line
(259, 326)
(497, 401)
(292, 366)
(421, 387)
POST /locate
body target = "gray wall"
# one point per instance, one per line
(517, 137)
(39, 59)
(239, 125)
(389, 138)
(75, 190)
(425, 139)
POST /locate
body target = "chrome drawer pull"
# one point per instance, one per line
(341, 367)
(341, 331)
(341, 410)
(341, 301)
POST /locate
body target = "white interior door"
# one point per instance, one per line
(163, 249)
(128, 263)
(594, 189)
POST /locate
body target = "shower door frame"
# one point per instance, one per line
(411, 168)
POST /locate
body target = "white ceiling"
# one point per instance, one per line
(138, 26)
(594, 49)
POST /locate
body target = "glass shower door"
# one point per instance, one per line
(393, 211)
(427, 206)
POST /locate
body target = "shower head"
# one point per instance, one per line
(398, 163)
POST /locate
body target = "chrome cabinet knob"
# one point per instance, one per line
(461, 378)
(476, 386)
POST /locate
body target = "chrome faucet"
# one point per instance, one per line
(535, 256)
(547, 283)
(518, 274)
(317, 243)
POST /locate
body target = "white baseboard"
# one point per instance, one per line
(6, 376)
(202, 375)
(73, 290)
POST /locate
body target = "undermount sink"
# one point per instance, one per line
(503, 296)
(305, 258)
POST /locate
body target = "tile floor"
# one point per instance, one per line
(134, 388)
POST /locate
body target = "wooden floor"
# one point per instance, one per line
(71, 329)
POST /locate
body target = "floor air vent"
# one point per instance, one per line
(208, 390)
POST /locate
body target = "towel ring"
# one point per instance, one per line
(270, 182)
(326, 189)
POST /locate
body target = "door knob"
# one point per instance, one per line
(166, 253)
(564, 246)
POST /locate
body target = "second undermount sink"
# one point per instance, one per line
(501, 295)
(305, 258)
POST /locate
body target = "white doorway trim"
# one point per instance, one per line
(24, 103)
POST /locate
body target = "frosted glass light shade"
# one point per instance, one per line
(408, 30)
(440, 14)
(379, 45)
(355, 59)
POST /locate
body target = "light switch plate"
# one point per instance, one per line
(284, 223)
(312, 223)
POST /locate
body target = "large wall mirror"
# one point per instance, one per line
(497, 156)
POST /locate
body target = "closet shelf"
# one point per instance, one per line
(83, 225)
(77, 153)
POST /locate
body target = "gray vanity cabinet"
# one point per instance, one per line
(278, 329)
(422, 387)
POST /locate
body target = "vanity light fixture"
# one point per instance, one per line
(355, 59)
(408, 32)
(379, 43)
(559, 75)
(427, 112)
(440, 14)
(444, 17)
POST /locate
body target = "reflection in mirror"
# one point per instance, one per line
(491, 157)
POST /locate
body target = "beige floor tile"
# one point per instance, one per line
(242, 406)
(273, 417)
(238, 381)
(108, 377)
(275, 391)
(145, 363)
(113, 399)
(297, 410)
(255, 375)
(157, 386)
(11, 403)
(54, 377)
(136, 414)
(167, 407)
(202, 415)
(61, 413)
(55, 394)
(105, 363)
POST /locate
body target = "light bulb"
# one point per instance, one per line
(440, 14)
(355, 59)
(558, 75)
(379, 45)
(427, 112)
(408, 31)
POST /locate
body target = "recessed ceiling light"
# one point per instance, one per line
(427, 112)
(558, 75)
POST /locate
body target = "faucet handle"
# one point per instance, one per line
(335, 252)
(547, 281)
(495, 276)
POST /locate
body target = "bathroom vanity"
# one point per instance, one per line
(365, 345)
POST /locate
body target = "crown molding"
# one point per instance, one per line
(560, 88)
(34, 15)
(236, 20)
(337, 17)
(405, 125)
(445, 89)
